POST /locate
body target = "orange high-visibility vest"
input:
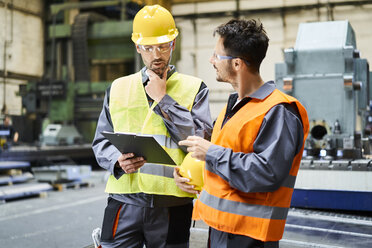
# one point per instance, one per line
(259, 215)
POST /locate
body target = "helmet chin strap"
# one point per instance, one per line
(171, 53)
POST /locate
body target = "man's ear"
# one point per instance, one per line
(137, 48)
(237, 64)
(174, 45)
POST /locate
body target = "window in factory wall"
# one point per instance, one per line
(108, 72)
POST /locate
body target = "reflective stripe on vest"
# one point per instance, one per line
(130, 112)
(241, 208)
(157, 169)
(259, 215)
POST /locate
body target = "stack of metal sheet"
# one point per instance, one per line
(15, 181)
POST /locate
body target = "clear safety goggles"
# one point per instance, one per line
(222, 57)
(162, 48)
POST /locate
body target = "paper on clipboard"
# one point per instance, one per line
(141, 145)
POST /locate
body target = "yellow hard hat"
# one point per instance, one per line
(192, 169)
(153, 25)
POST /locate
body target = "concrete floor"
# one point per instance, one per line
(63, 219)
(67, 218)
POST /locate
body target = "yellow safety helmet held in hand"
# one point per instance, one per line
(192, 169)
(153, 25)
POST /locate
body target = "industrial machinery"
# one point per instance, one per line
(87, 46)
(325, 72)
(83, 58)
(57, 134)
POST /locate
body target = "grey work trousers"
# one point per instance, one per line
(130, 226)
(218, 239)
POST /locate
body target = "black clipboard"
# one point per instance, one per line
(141, 145)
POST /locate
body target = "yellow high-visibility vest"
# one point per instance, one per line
(130, 112)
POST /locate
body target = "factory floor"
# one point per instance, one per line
(66, 218)
(57, 219)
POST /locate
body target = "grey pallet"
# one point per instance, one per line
(71, 185)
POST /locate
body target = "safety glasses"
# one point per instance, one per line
(162, 48)
(222, 57)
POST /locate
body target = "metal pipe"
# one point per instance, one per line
(195, 52)
(330, 8)
(237, 12)
(282, 9)
(19, 76)
(7, 42)
(56, 8)
(19, 9)
(4, 110)
(54, 20)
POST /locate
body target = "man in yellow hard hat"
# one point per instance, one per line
(145, 207)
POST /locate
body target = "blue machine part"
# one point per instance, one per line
(332, 199)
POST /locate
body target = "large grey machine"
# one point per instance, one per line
(325, 72)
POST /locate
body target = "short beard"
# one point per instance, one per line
(160, 71)
(230, 73)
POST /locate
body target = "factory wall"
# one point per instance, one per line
(281, 26)
(21, 49)
(22, 37)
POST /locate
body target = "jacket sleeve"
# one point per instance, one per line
(280, 138)
(183, 122)
(106, 154)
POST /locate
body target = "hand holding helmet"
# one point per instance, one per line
(192, 169)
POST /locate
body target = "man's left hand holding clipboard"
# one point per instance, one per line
(137, 149)
(129, 163)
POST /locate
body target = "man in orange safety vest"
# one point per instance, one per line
(257, 142)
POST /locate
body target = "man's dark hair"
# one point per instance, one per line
(245, 39)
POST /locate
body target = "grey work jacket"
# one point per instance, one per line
(182, 123)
